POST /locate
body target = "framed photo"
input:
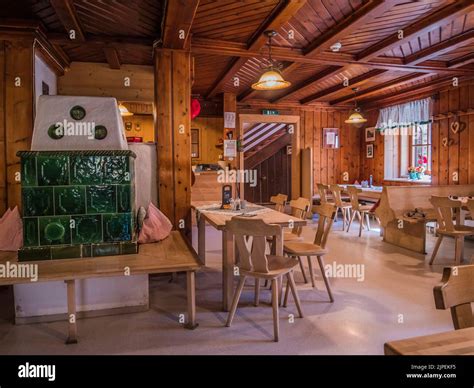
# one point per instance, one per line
(370, 134)
(330, 137)
(370, 151)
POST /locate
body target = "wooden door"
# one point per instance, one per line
(273, 177)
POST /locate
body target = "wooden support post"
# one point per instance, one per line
(191, 291)
(230, 106)
(227, 269)
(3, 162)
(18, 110)
(173, 128)
(202, 240)
(71, 312)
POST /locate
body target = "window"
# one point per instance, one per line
(407, 140)
(195, 143)
(421, 147)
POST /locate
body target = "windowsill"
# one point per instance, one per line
(424, 181)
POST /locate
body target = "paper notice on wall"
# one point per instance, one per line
(229, 119)
(230, 148)
(330, 138)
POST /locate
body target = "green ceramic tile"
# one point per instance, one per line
(55, 230)
(37, 201)
(105, 250)
(87, 170)
(87, 229)
(124, 198)
(70, 200)
(28, 172)
(129, 248)
(53, 170)
(30, 232)
(117, 227)
(116, 169)
(101, 199)
(34, 254)
(66, 252)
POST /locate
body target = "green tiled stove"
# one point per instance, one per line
(77, 204)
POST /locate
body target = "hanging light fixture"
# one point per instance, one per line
(124, 111)
(356, 117)
(272, 78)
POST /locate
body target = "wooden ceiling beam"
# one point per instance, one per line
(362, 15)
(462, 61)
(113, 59)
(179, 18)
(331, 71)
(440, 48)
(433, 85)
(228, 48)
(67, 15)
(280, 15)
(435, 20)
(101, 41)
(353, 82)
(379, 88)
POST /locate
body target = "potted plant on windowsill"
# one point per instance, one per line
(419, 172)
(412, 173)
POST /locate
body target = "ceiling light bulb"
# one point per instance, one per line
(336, 47)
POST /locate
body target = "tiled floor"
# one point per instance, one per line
(394, 300)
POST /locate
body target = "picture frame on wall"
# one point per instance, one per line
(369, 134)
(370, 151)
(330, 137)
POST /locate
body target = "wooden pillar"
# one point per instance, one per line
(3, 162)
(173, 127)
(18, 110)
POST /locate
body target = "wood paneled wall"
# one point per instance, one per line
(3, 164)
(98, 79)
(210, 131)
(329, 164)
(451, 164)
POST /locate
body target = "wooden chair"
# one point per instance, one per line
(323, 193)
(445, 212)
(341, 205)
(456, 292)
(362, 211)
(250, 238)
(327, 213)
(279, 201)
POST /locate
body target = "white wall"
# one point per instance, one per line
(44, 73)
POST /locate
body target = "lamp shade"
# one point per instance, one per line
(356, 118)
(124, 111)
(271, 79)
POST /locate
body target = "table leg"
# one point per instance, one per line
(191, 293)
(227, 269)
(71, 312)
(202, 239)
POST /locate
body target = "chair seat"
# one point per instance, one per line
(365, 208)
(301, 248)
(345, 206)
(288, 236)
(277, 266)
(459, 230)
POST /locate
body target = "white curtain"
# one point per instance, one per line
(405, 115)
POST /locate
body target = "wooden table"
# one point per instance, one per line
(368, 193)
(173, 254)
(218, 220)
(456, 342)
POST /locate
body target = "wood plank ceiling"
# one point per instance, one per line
(388, 47)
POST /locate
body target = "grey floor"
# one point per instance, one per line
(394, 301)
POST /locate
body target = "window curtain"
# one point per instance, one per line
(405, 115)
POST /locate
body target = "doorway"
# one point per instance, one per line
(271, 155)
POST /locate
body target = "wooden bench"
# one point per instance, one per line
(396, 201)
(174, 254)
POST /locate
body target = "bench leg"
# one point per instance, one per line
(202, 240)
(71, 312)
(191, 292)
